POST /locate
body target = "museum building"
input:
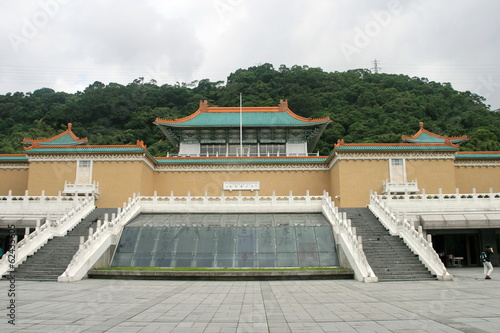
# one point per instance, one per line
(257, 152)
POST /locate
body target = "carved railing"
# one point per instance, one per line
(347, 239)
(78, 189)
(443, 202)
(400, 187)
(37, 205)
(42, 233)
(235, 203)
(414, 238)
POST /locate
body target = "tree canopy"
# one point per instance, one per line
(365, 107)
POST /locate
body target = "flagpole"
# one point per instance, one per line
(241, 125)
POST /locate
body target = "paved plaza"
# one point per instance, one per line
(467, 304)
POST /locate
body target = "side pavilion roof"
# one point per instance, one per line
(207, 116)
(66, 138)
(424, 136)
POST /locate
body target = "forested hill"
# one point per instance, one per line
(364, 107)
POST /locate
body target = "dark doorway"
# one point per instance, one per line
(457, 249)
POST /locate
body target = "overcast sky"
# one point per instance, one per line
(68, 44)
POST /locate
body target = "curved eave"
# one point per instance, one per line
(230, 117)
(240, 160)
(246, 123)
(424, 136)
(56, 140)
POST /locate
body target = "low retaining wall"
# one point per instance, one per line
(224, 275)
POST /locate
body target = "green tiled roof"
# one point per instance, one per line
(481, 155)
(395, 148)
(232, 119)
(85, 150)
(239, 160)
(65, 140)
(13, 158)
(426, 138)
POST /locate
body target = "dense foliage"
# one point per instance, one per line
(365, 107)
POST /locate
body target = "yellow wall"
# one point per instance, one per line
(334, 189)
(15, 180)
(50, 176)
(481, 178)
(432, 175)
(357, 178)
(118, 181)
(197, 183)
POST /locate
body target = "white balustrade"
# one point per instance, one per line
(348, 241)
(41, 204)
(85, 189)
(43, 232)
(443, 202)
(414, 238)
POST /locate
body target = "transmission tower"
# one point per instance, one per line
(375, 67)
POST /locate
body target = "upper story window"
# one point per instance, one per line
(213, 150)
(272, 149)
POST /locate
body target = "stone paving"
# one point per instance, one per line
(467, 304)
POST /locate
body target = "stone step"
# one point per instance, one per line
(53, 258)
(389, 257)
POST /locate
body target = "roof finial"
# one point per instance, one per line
(69, 126)
(421, 125)
(203, 105)
(283, 104)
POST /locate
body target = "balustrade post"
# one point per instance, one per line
(25, 199)
(273, 198)
(474, 195)
(222, 198)
(171, 198)
(37, 228)
(26, 233)
(360, 243)
(188, 198)
(256, 197)
(155, 197)
(205, 198)
(9, 197)
(98, 225)
(290, 197)
(240, 199)
(308, 198)
(82, 241)
(91, 232)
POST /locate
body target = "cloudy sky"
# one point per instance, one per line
(68, 44)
